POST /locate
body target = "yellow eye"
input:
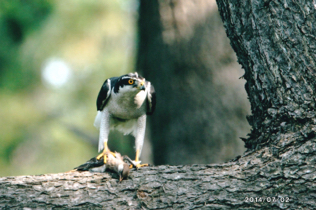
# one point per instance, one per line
(130, 81)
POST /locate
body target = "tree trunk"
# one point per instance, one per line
(201, 104)
(275, 44)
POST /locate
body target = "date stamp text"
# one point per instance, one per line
(267, 199)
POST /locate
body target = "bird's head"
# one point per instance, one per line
(123, 171)
(131, 81)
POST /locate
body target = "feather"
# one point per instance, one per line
(97, 120)
(151, 98)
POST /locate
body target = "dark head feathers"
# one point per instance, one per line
(123, 80)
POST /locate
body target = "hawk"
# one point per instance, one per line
(123, 104)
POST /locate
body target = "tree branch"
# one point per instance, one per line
(263, 179)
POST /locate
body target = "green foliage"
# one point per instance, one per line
(17, 20)
(47, 128)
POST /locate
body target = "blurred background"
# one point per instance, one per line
(55, 55)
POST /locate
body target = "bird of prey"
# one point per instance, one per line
(123, 104)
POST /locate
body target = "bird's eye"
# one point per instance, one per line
(130, 81)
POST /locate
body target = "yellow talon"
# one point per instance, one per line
(105, 152)
(139, 165)
(100, 156)
(137, 160)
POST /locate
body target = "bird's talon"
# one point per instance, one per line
(135, 163)
(137, 166)
(100, 156)
(142, 165)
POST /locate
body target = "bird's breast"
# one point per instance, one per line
(127, 106)
(139, 99)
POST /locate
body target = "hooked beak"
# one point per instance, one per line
(141, 85)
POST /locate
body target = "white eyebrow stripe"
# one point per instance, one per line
(127, 77)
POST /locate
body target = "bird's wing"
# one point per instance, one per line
(105, 92)
(92, 163)
(151, 98)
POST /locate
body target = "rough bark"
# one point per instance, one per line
(275, 44)
(257, 180)
(201, 104)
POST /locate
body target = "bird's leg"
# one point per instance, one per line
(137, 160)
(105, 152)
(139, 139)
(104, 133)
(138, 165)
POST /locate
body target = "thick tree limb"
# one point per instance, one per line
(264, 179)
